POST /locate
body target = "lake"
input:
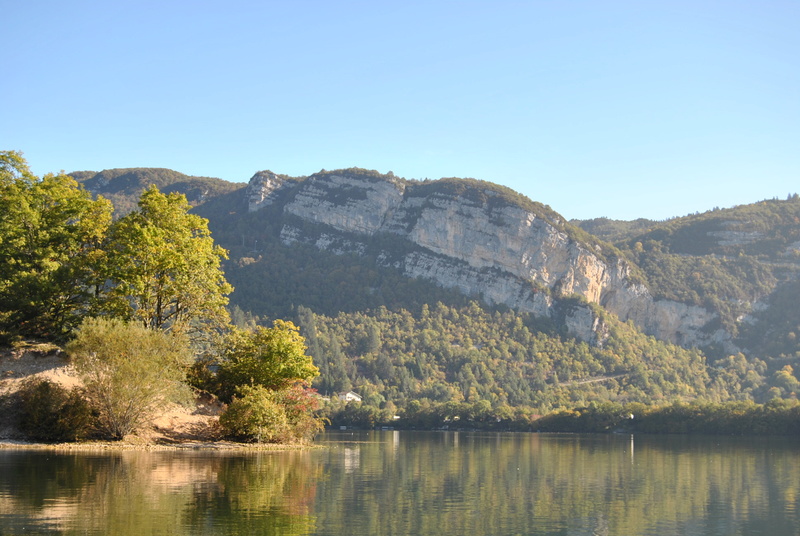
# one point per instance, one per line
(420, 483)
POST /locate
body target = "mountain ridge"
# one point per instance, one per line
(423, 228)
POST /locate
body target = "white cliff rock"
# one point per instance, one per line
(261, 190)
(483, 246)
(355, 205)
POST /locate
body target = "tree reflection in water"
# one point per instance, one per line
(435, 483)
(158, 493)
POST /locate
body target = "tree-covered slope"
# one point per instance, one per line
(727, 260)
(124, 186)
(440, 355)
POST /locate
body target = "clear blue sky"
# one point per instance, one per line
(597, 108)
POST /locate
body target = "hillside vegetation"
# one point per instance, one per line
(740, 262)
(124, 186)
(406, 345)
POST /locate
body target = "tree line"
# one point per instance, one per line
(471, 366)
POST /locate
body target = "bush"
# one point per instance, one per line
(301, 405)
(51, 413)
(273, 357)
(130, 372)
(201, 375)
(256, 416)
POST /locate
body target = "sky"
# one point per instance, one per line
(618, 109)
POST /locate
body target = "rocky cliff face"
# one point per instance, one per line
(261, 188)
(475, 239)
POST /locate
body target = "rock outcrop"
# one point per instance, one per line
(476, 238)
(261, 188)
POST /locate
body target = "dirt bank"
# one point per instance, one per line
(175, 427)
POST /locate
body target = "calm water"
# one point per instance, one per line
(369, 483)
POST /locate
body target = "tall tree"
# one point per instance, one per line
(165, 268)
(51, 233)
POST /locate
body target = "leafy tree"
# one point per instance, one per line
(165, 268)
(51, 233)
(129, 372)
(273, 358)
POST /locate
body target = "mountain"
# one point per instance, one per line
(742, 263)
(124, 186)
(599, 309)
(483, 240)
(694, 281)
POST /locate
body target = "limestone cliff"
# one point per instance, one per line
(479, 238)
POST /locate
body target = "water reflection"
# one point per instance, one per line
(157, 493)
(416, 483)
(457, 483)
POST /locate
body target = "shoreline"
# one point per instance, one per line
(128, 445)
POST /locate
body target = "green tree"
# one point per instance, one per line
(274, 358)
(165, 268)
(51, 235)
(129, 372)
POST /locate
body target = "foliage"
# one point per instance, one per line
(301, 405)
(325, 282)
(380, 332)
(255, 415)
(264, 373)
(727, 285)
(724, 260)
(273, 358)
(52, 413)
(63, 259)
(615, 230)
(266, 415)
(472, 355)
(779, 417)
(129, 372)
(51, 234)
(764, 229)
(774, 330)
(737, 378)
(165, 267)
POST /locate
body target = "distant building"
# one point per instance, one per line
(349, 396)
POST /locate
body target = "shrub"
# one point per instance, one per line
(256, 416)
(130, 372)
(51, 413)
(273, 357)
(202, 376)
(301, 405)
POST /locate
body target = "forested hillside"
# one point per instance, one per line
(406, 344)
(124, 186)
(742, 262)
(468, 354)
